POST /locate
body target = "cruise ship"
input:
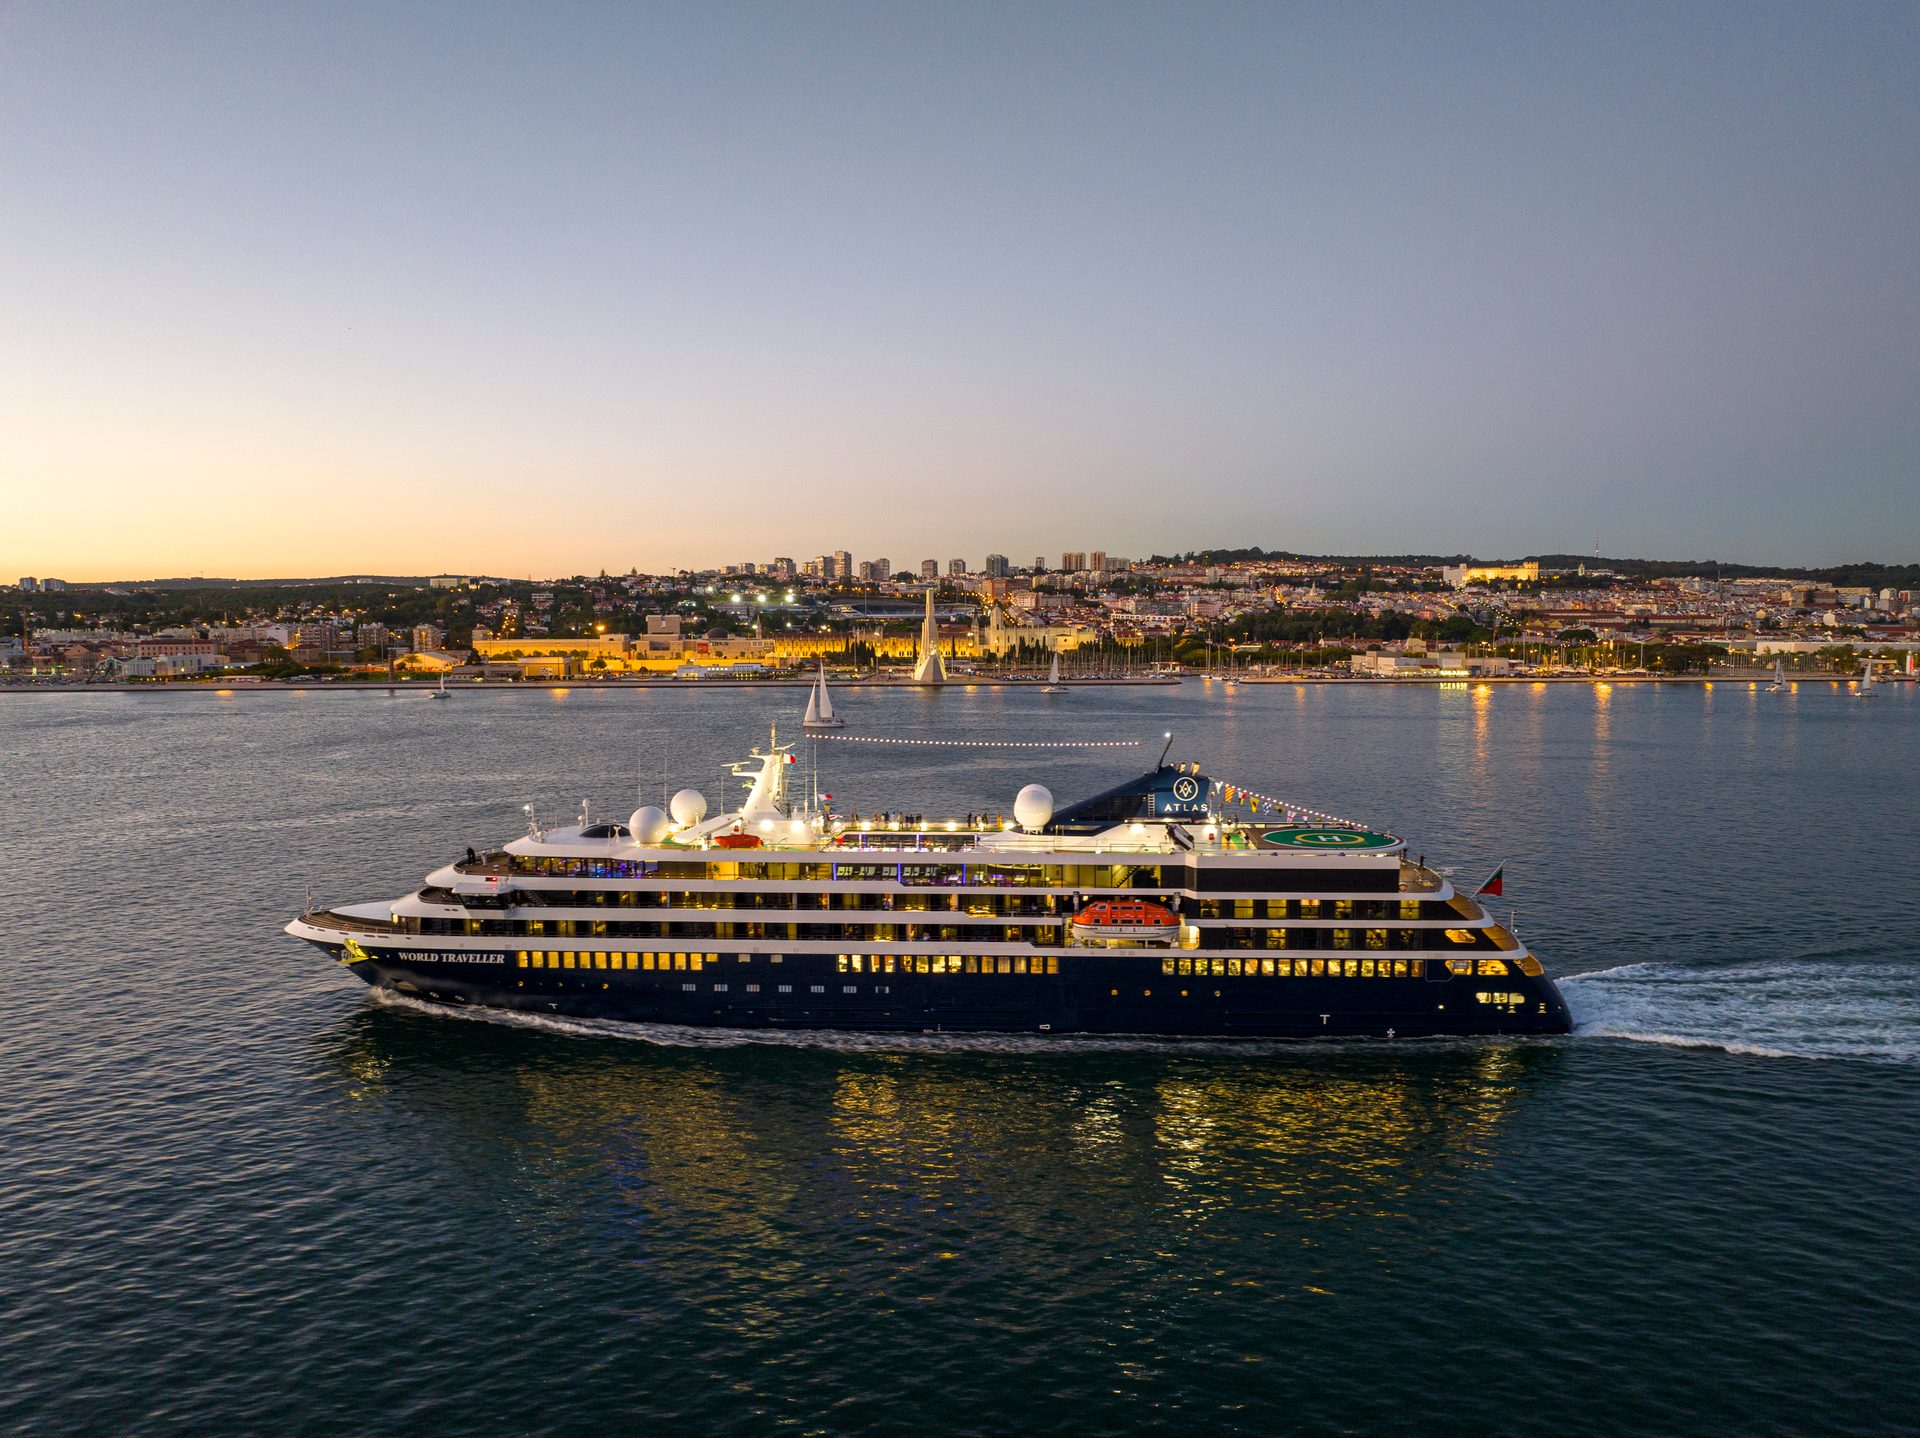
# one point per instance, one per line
(1154, 908)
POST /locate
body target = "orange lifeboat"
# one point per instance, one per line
(1139, 921)
(737, 841)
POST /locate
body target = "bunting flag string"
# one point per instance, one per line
(1292, 813)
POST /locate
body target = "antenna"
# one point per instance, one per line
(1164, 752)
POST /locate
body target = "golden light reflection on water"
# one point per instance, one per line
(748, 1147)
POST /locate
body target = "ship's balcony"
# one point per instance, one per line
(1418, 878)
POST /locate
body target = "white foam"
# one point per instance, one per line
(1803, 1008)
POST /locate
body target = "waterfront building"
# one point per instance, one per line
(1461, 575)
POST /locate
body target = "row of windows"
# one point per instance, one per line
(1323, 968)
(1021, 964)
(571, 959)
(860, 868)
(1051, 935)
(981, 905)
(950, 964)
(1496, 997)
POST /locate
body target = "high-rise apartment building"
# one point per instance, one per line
(1097, 561)
(842, 564)
(876, 571)
(1074, 560)
(929, 569)
(997, 566)
(956, 567)
(428, 636)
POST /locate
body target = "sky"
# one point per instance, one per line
(536, 289)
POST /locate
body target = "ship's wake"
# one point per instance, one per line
(1808, 1008)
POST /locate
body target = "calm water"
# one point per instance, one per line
(239, 1195)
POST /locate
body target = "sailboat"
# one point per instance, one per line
(1867, 681)
(1053, 684)
(820, 713)
(1779, 677)
(441, 692)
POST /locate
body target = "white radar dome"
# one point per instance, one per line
(1033, 806)
(648, 824)
(689, 807)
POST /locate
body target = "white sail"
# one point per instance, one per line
(1053, 675)
(820, 713)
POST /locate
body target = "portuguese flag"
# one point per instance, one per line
(1494, 888)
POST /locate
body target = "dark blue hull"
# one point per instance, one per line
(1100, 992)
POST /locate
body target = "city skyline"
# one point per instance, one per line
(317, 290)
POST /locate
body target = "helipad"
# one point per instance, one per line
(1327, 840)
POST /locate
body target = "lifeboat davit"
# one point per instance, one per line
(1137, 921)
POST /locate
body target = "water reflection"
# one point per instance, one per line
(753, 1145)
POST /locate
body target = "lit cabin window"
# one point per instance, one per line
(1409, 908)
(1459, 936)
(1343, 938)
(1376, 938)
(1460, 966)
(1493, 968)
(566, 959)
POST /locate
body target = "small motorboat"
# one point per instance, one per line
(1138, 921)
